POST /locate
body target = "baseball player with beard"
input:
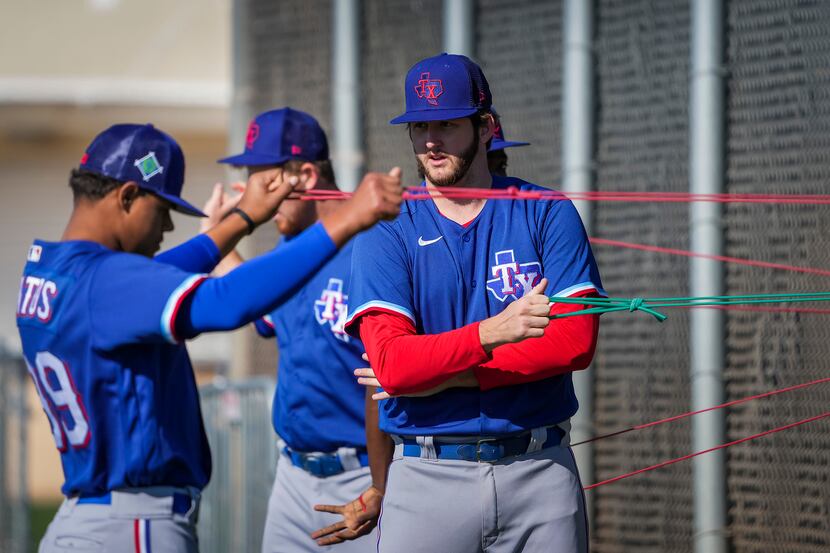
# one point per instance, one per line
(451, 304)
(318, 406)
(102, 325)
(360, 515)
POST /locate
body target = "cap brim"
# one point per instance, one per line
(180, 205)
(502, 144)
(423, 116)
(253, 159)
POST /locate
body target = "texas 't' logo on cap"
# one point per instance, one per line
(430, 89)
(253, 134)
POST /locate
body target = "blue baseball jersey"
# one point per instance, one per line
(118, 389)
(318, 404)
(442, 276)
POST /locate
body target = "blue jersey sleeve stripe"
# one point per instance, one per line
(171, 308)
(377, 305)
(581, 287)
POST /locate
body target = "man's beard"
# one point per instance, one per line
(466, 157)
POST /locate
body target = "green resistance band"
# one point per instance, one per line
(650, 306)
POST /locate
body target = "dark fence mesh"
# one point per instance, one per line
(778, 142)
(519, 45)
(396, 34)
(642, 367)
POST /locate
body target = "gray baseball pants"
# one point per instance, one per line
(291, 515)
(139, 520)
(532, 503)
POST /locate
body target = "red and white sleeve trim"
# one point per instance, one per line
(380, 306)
(174, 302)
(580, 288)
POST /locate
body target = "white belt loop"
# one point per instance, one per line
(398, 454)
(427, 447)
(538, 436)
(68, 506)
(348, 458)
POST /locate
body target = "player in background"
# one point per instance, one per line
(318, 406)
(102, 326)
(496, 156)
(451, 304)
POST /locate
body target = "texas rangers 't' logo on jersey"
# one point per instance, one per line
(332, 308)
(430, 89)
(512, 280)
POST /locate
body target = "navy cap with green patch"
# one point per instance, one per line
(142, 154)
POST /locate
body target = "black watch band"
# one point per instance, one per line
(245, 217)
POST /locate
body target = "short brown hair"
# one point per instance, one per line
(479, 119)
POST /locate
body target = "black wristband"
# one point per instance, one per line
(245, 217)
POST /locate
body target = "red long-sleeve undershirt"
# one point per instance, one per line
(408, 363)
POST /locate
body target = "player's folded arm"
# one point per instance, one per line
(404, 361)
(137, 300)
(568, 345)
(408, 363)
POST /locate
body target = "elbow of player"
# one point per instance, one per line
(392, 385)
(582, 360)
(391, 374)
(585, 349)
(397, 383)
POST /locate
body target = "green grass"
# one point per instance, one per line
(40, 516)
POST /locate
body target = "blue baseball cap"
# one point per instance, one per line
(499, 143)
(281, 135)
(448, 86)
(142, 154)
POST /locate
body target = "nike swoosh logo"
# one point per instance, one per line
(422, 242)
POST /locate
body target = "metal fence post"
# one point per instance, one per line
(578, 176)
(459, 35)
(706, 176)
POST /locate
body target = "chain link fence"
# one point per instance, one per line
(642, 368)
(14, 500)
(778, 141)
(244, 448)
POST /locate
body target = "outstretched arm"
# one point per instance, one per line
(217, 208)
(260, 285)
